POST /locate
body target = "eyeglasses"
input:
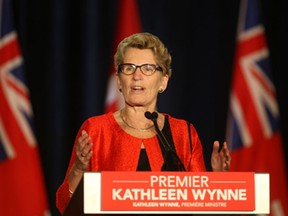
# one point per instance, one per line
(146, 69)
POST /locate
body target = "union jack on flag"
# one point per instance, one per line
(15, 111)
(253, 98)
(20, 166)
(253, 131)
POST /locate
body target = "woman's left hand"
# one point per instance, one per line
(220, 160)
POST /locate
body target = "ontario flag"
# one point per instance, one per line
(253, 131)
(128, 22)
(22, 189)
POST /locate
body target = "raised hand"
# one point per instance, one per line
(220, 160)
(83, 152)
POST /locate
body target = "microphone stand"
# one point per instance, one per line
(153, 117)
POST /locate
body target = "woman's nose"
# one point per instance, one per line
(137, 75)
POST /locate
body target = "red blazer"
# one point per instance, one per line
(116, 150)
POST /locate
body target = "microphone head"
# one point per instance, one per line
(148, 115)
(154, 115)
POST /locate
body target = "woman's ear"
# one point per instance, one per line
(164, 83)
(117, 76)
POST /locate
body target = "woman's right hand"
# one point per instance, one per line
(83, 152)
(83, 156)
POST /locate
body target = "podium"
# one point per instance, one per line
(171, 193)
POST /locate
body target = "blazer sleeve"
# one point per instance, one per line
(62, 193)
(196, 163)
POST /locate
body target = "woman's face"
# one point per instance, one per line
(139, 89)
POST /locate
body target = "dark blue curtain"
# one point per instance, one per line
(67, 48)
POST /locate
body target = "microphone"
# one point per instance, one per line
(164, 142)
(152, 116)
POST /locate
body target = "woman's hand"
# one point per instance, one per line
(220, 160)
(83, 152)
(83, 156)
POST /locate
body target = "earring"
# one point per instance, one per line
(120, 90)
(160, 90)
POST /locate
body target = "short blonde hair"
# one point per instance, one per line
(145, 40)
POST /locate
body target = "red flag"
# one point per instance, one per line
(128, 23)
(253, 130)
(22, 190)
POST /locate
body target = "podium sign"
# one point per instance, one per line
(176, 192)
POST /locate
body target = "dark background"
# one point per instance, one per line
(67, 49)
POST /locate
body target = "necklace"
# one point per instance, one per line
(126, 123)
